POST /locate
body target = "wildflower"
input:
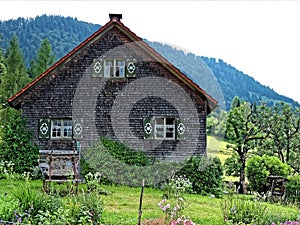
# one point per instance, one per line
(166, 207)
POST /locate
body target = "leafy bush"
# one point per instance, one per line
(118, 171)
(125, 154)
(292, 188)
(205, 175)
(81, 209)
(118, 151)
(237, 211)
(15, 144)
(232, 165)
(8, 204)
(258, 168)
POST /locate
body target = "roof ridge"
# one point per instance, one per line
(115, 21)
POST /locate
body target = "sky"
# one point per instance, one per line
(259, 38)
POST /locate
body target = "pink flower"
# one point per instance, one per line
(166, 207)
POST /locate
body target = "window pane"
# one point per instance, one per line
(170, 135)
(67, 123)
(120, 69)
(170, 128)
(170, 121)
(159, 131)
(159, 121)
(67, 132)
(108, 69)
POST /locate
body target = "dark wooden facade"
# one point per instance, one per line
(115, 85)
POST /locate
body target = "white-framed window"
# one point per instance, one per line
(61, 128)
(164, 128)
(114, 68)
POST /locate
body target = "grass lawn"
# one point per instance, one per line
(202, 210)
(121, 206)
(216, 147)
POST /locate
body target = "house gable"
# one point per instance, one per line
(111, 85)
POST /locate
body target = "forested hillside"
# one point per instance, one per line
(64, 33)
(218, 78)
(231, 81)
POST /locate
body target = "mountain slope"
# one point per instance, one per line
(219, 79)
(64, 33)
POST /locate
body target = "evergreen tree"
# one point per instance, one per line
(15, 141)
(16, 76)
(2, 78)
(44, 59)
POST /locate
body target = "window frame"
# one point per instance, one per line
(114, 69)
(61, 128)
(164, 126)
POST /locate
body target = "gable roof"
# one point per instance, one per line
(16, 99)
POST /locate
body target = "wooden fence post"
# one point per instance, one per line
(141, 202)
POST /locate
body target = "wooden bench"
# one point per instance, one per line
(59, 166)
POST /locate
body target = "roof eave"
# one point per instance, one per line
(15, 100)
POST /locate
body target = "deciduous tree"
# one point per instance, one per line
(245, 125)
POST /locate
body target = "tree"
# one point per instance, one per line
(216, 123)
(259, 168)
(2, 78)
(284, 139)
(43, 60)
(15, 144)
(16, 76)
(245, 125)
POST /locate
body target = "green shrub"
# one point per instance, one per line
(118, 171)
(15, 144)
(205, 175)
(237, 211)
(125, 154)
(81, 209)
(293, 189)
(258, 168)
(8, 205)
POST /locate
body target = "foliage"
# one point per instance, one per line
(246, 124)
(284, 138)
(177, 187)
(174, 214)
(16, 145)
(6, 169)
(3, 73)
(31, 206)
(292, 188)
(216, 123)
(43, 60)
(127, 169)
(93, 183)
(232, 165)
(8, 204)
(14, 76)
(258, 169)
(64, 33)
(81, 209)
(205, 175)
(237, 211)
(125, 154)
(121, 206)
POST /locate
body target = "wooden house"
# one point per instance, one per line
(115, 85)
